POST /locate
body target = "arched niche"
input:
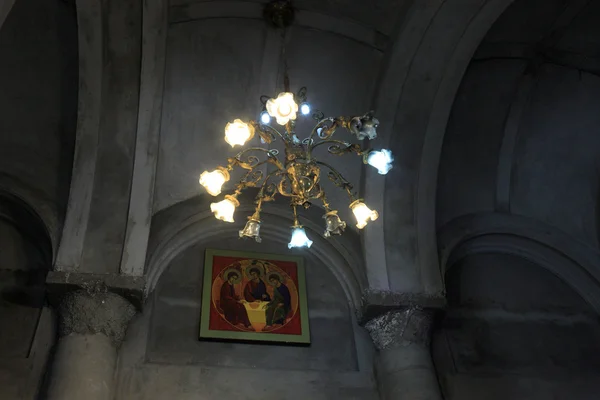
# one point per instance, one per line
(570, 260)
(522, 316)
(189, 222)
(28, 326)
(164, 341)
(177, 298)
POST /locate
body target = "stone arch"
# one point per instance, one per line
(571, 261)
(439, 53)
(40, 209)
(184, 224)
(17, 213)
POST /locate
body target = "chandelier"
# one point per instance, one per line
(297, 173)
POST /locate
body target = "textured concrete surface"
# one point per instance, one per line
(517, 328)
(399, 327)
(83, 368)
(403, 365)
(407, 372)
(91, 312)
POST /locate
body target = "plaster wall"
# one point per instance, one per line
(38, 105)
(520, 138)
(514, 331)
(553, 167)
(27, 332)
(163, 357)
(217, 69)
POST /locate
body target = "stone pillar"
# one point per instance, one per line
(403, 364)
(91, 327)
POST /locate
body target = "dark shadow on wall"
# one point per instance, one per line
(514, 331)
(27, 334)
(38, 100)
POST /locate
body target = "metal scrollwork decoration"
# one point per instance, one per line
(297, 174)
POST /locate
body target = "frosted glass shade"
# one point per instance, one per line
(363, 214)
(283, 108)
(238, 132)
(382, 160)
(213, 181)
(299, 238)
(224, 209)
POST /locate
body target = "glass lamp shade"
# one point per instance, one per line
(363, 214)
(224, 209)
(238, 132)
(382, 160)
(213, 181)
(251, 230)
(283, 108)
(333, 224)
(299, 238)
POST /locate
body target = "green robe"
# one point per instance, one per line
(279, 307)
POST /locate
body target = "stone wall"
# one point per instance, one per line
(163, 357)
(515, 331)
(28, 330)
(38, 105)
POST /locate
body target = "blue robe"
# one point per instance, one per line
(255, 290)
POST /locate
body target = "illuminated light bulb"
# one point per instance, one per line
(238, 132)
(251, 230)
(299, 238)
(224, 209)
(265, 118)
(213, 181)
(362, 213)
(283, 108)
(382, 160)
(305, 108)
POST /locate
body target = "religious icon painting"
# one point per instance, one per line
(254, 297)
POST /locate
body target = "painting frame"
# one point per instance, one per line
(208, 281)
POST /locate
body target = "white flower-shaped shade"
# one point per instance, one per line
(299, 238)
(283, 108)
(238, 132)
(382, 160)
(363, 214)
(213, 181)
(224, 209)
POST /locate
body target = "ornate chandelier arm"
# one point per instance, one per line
(321, 124)
(268, 133)
(339, 148)
(262, 197)
(361, 127)
(250, 179)
(338, 180)
(252, 162)
(271, 191)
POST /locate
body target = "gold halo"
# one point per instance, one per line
(232, 269)
(281, 278)
(260, 266)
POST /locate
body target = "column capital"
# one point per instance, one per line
(410, 325)
(375, 302)
(92, 312)
(130, 287)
